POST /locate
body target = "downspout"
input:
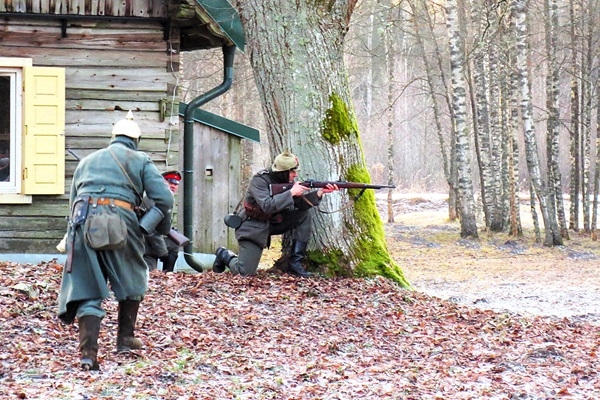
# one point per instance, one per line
(188, 155)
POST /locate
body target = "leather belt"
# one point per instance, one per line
(119, 203)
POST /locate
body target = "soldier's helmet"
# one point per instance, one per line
(127, 127)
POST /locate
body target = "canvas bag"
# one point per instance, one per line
(104, 229)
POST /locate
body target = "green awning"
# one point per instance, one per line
(227, 18)
(222, 124)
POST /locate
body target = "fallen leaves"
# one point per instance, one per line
(216, 336)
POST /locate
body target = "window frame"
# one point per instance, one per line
(13, 185)
(39, 131)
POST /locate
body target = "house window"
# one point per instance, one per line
(32, 130)
(10, 131)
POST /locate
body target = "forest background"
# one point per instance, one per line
(529, 94)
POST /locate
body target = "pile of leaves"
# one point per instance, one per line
(217, 336)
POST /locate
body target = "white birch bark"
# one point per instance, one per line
(552, 93)
(575, 128)
(547, 209)
(466, 203)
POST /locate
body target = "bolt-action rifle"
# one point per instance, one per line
(276, 188)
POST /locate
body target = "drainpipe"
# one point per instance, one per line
(188, 156)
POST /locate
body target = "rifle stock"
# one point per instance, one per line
(277, 188)
(178, 238)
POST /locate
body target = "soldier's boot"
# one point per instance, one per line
(169, 261)
(128, 311)
(223, 257)
(297, 255)
(89, 330)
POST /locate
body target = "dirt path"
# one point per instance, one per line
(496, 272)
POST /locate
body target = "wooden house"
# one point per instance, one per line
(69, 70)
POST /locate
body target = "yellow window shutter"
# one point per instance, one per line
(44, 130)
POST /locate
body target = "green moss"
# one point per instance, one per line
(339, 123)
(371, 247)
(331, 263)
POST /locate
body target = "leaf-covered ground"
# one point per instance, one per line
(272, 336)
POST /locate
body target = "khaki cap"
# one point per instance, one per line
(285, 162)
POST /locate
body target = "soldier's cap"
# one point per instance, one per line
(172, 176)
(286, 161)
(127, 127)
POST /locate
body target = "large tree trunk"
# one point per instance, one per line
(296, 51)
(464, 187)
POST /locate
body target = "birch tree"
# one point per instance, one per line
(464, 188)
(575, 126)
(296, 52)
(552, 235)
(423, 24)
(552, 96)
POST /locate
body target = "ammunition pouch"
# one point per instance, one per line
(255, 212)
(104, 228)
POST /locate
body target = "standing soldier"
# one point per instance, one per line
(105, 243)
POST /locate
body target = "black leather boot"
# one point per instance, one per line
(224, 256)
(296, 257)
(168, 261)
(128, 311)
(89, 330)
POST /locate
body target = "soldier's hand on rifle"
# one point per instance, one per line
(298, 189)
(327, 189)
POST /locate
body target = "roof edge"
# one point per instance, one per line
(227, 18)
(223, 124)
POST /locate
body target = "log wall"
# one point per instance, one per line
(118, 8)
(112, 66)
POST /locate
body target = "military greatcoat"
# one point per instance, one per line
(99, 176)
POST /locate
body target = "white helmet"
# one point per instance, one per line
(127, 127)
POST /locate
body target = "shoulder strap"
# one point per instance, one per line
(127, 175)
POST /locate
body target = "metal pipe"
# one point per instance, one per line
(188, 153)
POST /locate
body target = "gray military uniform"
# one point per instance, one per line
(99, 176)
(286, 213)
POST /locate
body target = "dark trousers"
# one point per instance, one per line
(250, 253)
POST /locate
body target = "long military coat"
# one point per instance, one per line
(100, 176)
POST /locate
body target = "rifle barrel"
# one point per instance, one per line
(345, 185)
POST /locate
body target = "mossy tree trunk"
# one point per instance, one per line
(296, 51)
